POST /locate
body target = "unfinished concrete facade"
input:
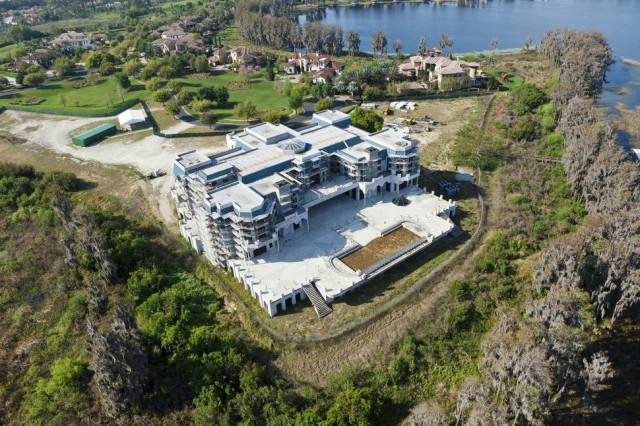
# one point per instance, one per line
(248, 209)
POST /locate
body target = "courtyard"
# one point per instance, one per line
(336, 228)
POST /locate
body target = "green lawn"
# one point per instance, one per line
(4, 51)
(513, 81)
(261, 92)
(93, 99)
(89, 100)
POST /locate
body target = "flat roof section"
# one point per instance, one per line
(258, 159)
(332, 116)
(192, 158)
(322, 137)
(240, 195)
(391, 139)
(267, 132)
(269, 184)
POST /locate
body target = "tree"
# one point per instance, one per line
(353, 42)
(18, 52)
(19, 78)
(366, 119)
(184, 97)
(527, 97)
(303, 90)
(63, 67)
(201, 64)
(202, 105)
(106, 68)
(445, 42)
(63, 100)
(162, 96)
(295, 101)
(321, 90)
(4, 81)
(397, 47)
(527, 44)
(132, 67)
(174, 85)
(379, 42)
(208, 118)
(270, 74)
(353, 88)
(119, 364)
(598, 372)
(354, 406)
(173, 108)
(207, 92)
(61, 395)
(371, 93)
(154, 84)
(422, 46)
(122, 80)
(166, 72)
(222, 96)
(33, 79)
(246, 110)
(322, 104)
(98, 58)
(275, 116)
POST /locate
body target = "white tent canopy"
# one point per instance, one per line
(131, 116)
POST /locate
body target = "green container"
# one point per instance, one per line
(94, 135)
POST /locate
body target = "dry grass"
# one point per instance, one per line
(379, 248)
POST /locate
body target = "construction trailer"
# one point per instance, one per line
(94, 135)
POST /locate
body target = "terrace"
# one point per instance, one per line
(337, 227)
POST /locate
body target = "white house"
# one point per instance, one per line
(70, 40)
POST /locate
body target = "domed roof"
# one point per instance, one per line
(292, 146)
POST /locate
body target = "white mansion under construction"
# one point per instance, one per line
(292, 213)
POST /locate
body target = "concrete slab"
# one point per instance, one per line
(334, 226)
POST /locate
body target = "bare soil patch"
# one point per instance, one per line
(379, 248)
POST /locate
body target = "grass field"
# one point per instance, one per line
(261, 92)
(93, 99)
(5, 50)
(89, 100)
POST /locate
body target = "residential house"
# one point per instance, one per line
(177, 41)
(220, 56)
(41, 57)
(70, 40)
(323, 68)
(447, 73)
(245, 55)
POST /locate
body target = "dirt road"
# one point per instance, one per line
(53, 133)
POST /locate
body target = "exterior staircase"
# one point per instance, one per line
(321, 307)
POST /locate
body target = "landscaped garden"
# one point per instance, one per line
(252, 87)
(103, 98)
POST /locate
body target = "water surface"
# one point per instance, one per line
(511, 22)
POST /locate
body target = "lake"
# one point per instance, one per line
(510, 21)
